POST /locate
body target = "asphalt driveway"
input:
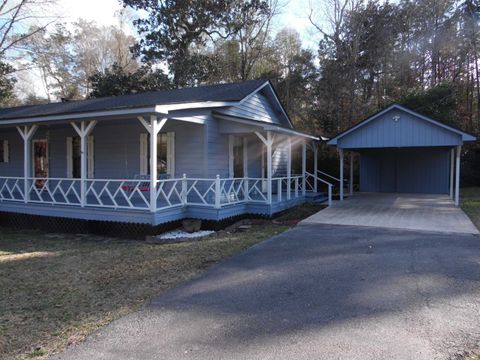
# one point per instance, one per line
(314, 292)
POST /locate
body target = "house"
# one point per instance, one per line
(403, 151)
(209, 152)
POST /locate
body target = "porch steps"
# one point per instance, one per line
(316, 197)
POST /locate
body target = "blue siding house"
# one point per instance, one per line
(209, 152)
(403, 151)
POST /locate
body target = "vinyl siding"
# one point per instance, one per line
(257, 107)
(408, 131)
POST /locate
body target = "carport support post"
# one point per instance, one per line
(304, 167)
(83, 131)
(351, 174)
(452, 170)
(27, 133)
(340, 154)
(457, 176)
(153, 127)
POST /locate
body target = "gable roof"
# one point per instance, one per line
(232, 92)
(465, 136)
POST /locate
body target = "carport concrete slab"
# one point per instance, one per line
(397, 211)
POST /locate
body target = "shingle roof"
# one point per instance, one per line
(219, 92)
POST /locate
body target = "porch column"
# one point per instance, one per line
(27, 132)
(304, 167)
(153, 126)
(351, 174)
(340, 154)
(289, 167)
(452, 171)
(269, 144)
(457, 176)
(315, 167)
(85, 129)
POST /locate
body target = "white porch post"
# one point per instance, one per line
(340, 154)
(315, 166)
(452, 171)
(153, 127)
(351, 174)
(304, 167)
(83, 131)
(457, 176)
(269, 144)
(269, 166)
(289, 167)
(27, 133)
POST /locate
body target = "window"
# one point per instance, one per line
(165, 153)
(4, 151)
(237, 151)
(74, 157)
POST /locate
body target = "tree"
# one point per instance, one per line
(183, 34)
(117, 81)
(68, 59)
(97, 48)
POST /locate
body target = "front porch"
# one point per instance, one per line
(148, 195)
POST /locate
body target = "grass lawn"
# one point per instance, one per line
(470, 202)
(58, 288)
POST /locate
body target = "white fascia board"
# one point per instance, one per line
(266, 127)
(190, 119)
(86, 115)
(165, 109)
(290, 132)
(254, 92)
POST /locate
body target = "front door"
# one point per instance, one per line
(40, 161)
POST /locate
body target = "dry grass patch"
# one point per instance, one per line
(58, 288)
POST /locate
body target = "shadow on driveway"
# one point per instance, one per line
(316, 291)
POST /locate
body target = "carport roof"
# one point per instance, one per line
(464, 136)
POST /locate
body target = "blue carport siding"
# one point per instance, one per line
(405, 170)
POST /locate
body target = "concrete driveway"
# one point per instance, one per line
(398, 211)
(314, 292)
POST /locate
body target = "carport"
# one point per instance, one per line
(402, 151)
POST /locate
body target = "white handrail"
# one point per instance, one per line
(330, 186)
(330, 176)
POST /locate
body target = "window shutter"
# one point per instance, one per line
(69, 157)
(144, 154)
(90, 157)
(6, 156)
(171, 154)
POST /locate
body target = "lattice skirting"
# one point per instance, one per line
(105, 228)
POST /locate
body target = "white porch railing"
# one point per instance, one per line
(12, 189)
(135, 193)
